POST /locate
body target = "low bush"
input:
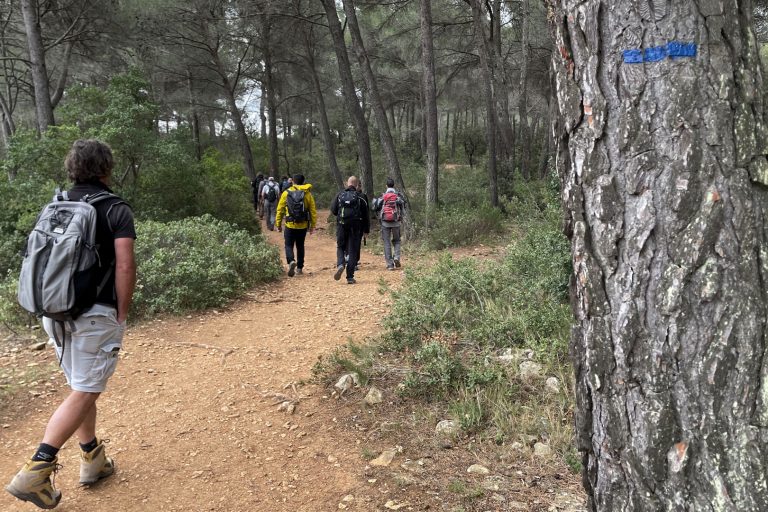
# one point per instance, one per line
(460, 225)
(196, 263)
(186, 265)
(449, 325)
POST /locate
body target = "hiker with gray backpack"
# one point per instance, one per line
(389, 208)
(78, 274)
(270, 194)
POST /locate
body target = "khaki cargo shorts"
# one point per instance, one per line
(91, 345)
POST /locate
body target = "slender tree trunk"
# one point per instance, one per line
(269, 83)
(478, 18)
(263, 110)
(330, 148)
(385, 136)
(522, 106)
(43, 106)
(664, 179)
(212, 128)
(62, 82)
(249, 167)
(429, 92)
(352, 101)
(447, 132)
(453, 133)
(195, 117)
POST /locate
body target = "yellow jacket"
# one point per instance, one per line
(309, 206)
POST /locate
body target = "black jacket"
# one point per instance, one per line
(364, 219)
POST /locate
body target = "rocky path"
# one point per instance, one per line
(192, 411)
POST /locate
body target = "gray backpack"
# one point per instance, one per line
(61, 264)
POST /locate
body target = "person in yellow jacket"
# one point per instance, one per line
(297, 207)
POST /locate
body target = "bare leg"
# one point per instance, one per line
(77, 413)
(87, 429)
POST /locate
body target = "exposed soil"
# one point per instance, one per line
(193, 416)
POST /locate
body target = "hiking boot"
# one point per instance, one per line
(397, 262)
(291, 268)
(339, 271)
(299, 271)
(95, 465)
(351, 280)
(33, 483)
(390, 267)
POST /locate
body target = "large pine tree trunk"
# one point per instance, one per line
(43, 106)
(479, 18)
(664, 180)
(429, 92)
(350, 96)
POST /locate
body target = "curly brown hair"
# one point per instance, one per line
(89, 160)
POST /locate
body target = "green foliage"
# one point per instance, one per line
(472, 142)
(196, 263)
(438, 372)
(11, 314)
(459, 225)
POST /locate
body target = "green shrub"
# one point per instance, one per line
(196, 263)
(460, 225)
(437, 372)
(11, 314)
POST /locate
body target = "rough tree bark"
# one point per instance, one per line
(43, 106)
(352, 101)
(664, 173)
(429, 92)
(479, 18)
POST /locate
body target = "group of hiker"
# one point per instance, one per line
(84, 305)
(289, 207)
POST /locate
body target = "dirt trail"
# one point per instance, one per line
(192, 411)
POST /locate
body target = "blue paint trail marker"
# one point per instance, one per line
(673, 50)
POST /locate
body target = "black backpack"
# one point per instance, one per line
(349, 207)
(295, 205)
(271, 194)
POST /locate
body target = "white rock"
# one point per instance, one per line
(494, 483)
(393, 505)
(553, 385)
(529, 370)
(385, 459)
(448, 428)
(542, 450)
(477, 469)
(374, 396)
(414, 466)
(347, 382)
(517, 445)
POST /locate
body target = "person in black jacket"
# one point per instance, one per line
(352, 222)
